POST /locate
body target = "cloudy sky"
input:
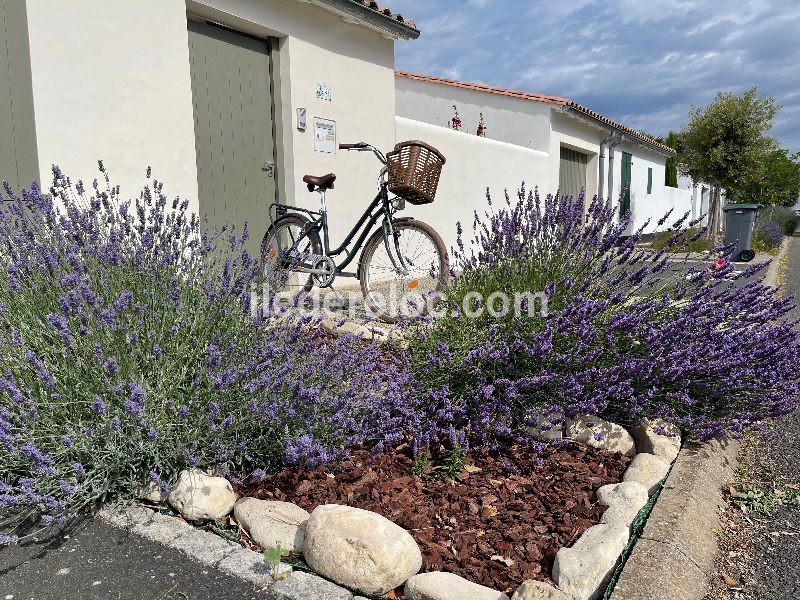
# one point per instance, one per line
(637, 61)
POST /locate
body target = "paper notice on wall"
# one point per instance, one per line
(324, 135)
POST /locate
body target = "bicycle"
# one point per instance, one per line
(403, 264)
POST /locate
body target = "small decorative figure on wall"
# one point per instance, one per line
(481, 127)
(455, 122)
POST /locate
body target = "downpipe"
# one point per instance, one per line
(612, 145)
(601, 179)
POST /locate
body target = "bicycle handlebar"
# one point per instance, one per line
(364, 147)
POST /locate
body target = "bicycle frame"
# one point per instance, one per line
(379, 208)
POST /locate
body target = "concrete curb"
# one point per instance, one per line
(675, 556)
(201, 546)
(772, 271)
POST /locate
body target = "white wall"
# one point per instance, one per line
(646, 206)
(575, 134)
(667, 198)
(473, 165)
(111, 82)
(512, 120)
(317, 46)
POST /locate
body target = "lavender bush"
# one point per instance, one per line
(626, 336)
(768, 234)
(129, 353)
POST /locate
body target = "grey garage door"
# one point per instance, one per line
(572, 174)
(231, 89)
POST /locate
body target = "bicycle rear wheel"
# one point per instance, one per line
(393, 296)
(286, 254)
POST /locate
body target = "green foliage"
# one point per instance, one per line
(273, 556)
(773, 180)
(752, 498)
(671, 168)
(684, 243)
(724, 142)
(449, 467)
(422, 466)
(453, 463)
(784, 216)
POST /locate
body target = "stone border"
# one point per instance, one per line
(678, 534)
(674, 557)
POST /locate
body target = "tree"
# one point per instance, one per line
(775, 181)
(671, 167)
(722, 144)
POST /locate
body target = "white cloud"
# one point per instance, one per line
(643, 63)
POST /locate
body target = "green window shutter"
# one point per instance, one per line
(649, 180)
(625, 183)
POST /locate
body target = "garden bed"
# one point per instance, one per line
(499, 525)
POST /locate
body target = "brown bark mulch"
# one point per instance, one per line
(501, 524)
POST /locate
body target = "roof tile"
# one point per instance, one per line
(538, 98)
(387, 12)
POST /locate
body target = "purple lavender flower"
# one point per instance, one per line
(110, 365)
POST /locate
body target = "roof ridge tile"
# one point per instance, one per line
(558, 100)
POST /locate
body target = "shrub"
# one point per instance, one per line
(768, 235)
(696, 240)
(129, 353)
(783, 216)
(624, 337)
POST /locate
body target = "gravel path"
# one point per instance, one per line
(760, 554)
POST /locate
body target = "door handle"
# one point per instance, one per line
(269, 168)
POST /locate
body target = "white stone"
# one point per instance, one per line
(447, 586)
(201, 497)
(359, 549)
(151, 492)
(647, 469)
(583, 570)
(337, 326)
(272, 523)
(587, 428)
(624, 501)
(548, 428)
(650, 442)
(538, 590)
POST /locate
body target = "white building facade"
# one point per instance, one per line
(231, 102)
(545, 141)
(223, 98)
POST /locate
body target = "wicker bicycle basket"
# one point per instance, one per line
(414, 171)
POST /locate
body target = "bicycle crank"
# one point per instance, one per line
(324, 271)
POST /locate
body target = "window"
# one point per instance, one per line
(572, 173)
(649, 180)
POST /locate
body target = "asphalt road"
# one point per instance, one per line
(776, 548)
(99, 562)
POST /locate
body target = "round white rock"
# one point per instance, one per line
(359, 549)
(272, 523)
(202, 497)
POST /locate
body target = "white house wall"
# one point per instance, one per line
(511, 120)
(111, 82)
(357, 64)
(575, 134)
(646, 206)
(473, 165)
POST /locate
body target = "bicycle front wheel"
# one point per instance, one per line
(391, 294)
